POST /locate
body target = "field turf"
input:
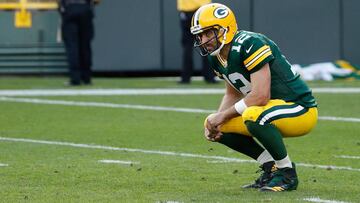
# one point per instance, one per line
(52, 152)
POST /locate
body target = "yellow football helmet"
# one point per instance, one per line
(217, 17)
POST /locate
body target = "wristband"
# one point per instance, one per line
(240, 106)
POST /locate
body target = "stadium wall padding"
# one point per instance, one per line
(136, 35)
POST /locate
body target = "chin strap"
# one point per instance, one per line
(217, 51)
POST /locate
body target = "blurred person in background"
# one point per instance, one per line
(77, 33)
(264, 100)
(186, 10)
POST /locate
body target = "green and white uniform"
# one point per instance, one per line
(249, 52)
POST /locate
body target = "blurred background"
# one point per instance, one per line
(137, 37)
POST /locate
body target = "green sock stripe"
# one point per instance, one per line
(279, 113)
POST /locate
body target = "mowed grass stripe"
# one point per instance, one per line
(166, 153)
(152, 91)
(141, 107)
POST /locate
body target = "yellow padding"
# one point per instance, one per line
(29, 6)
(23, 19)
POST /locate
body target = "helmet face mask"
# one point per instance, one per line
(212, 38)
(218, 19)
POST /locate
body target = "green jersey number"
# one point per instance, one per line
(240, 40)
(238, 80)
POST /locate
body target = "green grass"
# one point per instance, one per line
(53, 173)
(11, 82)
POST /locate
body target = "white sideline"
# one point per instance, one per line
(317, 199)
(167, 153)
(141, 107)
(155, 91)
(3, 165)
(106, 161)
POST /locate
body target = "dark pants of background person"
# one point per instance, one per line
(187, 41)
(78, 31)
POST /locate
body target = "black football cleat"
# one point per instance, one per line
(267, 170)
(284, 179)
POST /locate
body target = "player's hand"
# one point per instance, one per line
(215, 120)
(212, 136)
(211, 131)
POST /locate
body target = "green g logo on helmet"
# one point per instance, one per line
(221, 12)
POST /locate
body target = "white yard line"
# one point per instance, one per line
(317, 199)
(3, 165)
(102, 92)
(347, 157)
(108, 105)
(166, 153)
(140, 107)
(217, 162)
(107, 161)
(332, 118)
(327, 167)
(155, 91)
(336, 90)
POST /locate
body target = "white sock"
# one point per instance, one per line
(284, 163)
(264, 157)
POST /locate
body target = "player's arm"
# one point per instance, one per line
(230, 108)
(231, 96)
(257, 56)
(212, 130)
(259, 95)
(213, 121)
(260, 87)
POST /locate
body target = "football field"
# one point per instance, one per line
(141, 140)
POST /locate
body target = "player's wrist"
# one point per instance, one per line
(240, 106)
